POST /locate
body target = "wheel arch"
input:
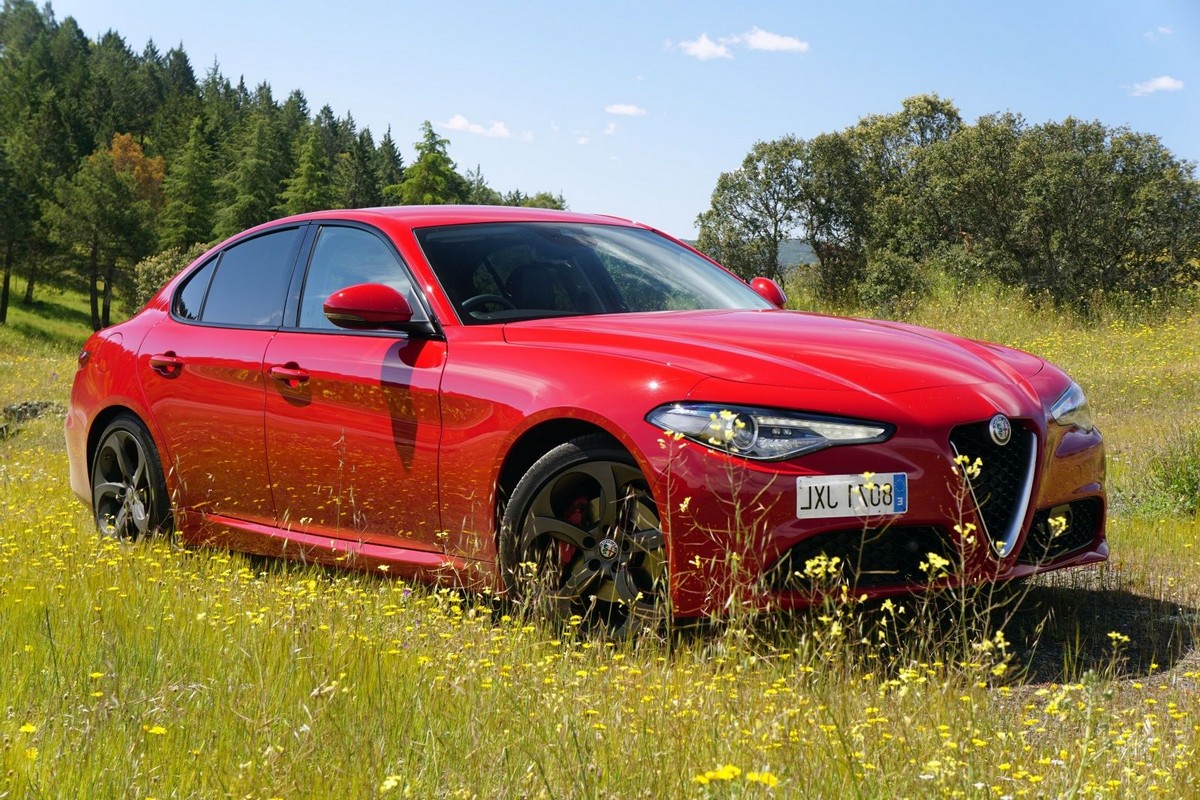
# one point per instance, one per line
(535, 443)
(100, 422)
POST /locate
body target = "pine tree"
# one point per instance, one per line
(311, 187)
(103, 217)
(190, 192)
(478, 191)
(432, 179)
(15, 218)
(389, 168)
(180, 105)
(356, 178)
(114, 100)
(250, 189)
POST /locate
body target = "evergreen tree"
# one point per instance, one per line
(478, 191)
(311, 187)
(357, 182)
(43, 74)
(544, 200)
(190, 193)
(102, 217)
(250, 189)
(333, 139)
(150, 83)
(291, 126)
(15, 218)
(431, 179)
(114, 99)
(219, 105)
(389, 168)
(70, 54)
(180, 104)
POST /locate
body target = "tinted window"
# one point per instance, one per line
(496, 272)
(345, 257)
(190, 300)
(252, 279)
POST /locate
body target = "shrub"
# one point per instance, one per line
(893, 284)
(152, 273)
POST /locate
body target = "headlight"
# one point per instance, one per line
(1071, 409)
(760, 433)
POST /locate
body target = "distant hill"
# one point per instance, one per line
(796, 251)
(791, 252)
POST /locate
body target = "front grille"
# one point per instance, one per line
(1001, 489)
(1042, 545)
(870, 557)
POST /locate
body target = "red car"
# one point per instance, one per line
(571, 409)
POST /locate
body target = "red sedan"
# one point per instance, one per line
(576, 410)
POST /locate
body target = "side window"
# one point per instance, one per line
(345, 257)
(251, 281)
(190, 300)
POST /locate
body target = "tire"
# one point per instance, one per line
(581, 535)
(129, 493)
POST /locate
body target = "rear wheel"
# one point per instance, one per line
(129, 493)
(582, 536)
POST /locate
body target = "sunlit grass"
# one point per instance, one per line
(151, 671)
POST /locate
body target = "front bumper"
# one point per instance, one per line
(734, 538)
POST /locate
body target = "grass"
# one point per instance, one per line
(150, 671)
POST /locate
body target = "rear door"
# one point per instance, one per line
(352, 417)
(202, 373)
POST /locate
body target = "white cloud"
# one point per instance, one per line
(1161, 30)
(758, 39)
(705, 48)
(582, 140)
(611, 129)
(527, 136)
(1163, 83)
(497, 130)
(625, 110)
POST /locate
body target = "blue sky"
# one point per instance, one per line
(635, 108)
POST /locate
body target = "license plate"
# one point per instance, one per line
(832, 496)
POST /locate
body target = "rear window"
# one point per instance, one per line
(246, 285)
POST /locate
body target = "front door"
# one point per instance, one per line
(352, 417)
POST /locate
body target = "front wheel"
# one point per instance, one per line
(582, 536)
(129, 493)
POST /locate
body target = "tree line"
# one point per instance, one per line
(108, 156)
(1071, 210)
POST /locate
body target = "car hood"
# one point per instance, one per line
(787, 348)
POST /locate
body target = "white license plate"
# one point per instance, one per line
(832, 496)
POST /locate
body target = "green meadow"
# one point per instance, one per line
(151, 671)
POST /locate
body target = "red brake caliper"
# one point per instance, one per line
(574, 514)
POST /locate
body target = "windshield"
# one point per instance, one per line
(501, 272)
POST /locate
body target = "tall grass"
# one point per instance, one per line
(151, 671)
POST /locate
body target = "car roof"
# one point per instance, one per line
(428, 216)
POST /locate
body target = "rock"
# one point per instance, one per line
(30, 409)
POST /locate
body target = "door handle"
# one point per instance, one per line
(167, 364)
(289, 374)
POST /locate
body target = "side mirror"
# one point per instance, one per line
(770, 291)
(368, 306)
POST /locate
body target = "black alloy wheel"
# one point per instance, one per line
(129, 493)
(582, 536)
